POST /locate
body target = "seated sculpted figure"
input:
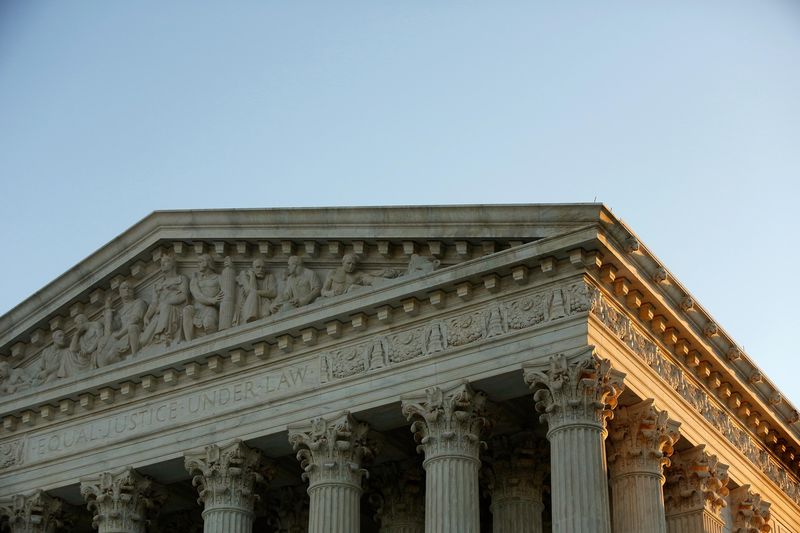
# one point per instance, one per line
(51, 358)
(206, 290)
(87, 339)
(123, 330)
(13, 379)
(162, 321)
(346, 278)
(302, 287)
(257, 288)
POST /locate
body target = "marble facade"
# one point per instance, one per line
(526, 368)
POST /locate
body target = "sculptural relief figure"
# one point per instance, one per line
(13, 379)
(346, 278)
(87, 339)
(123, 330)
(258, 287)
(419, 265)
(163, 317)
(51, 358)
(206, 289)
(302, 287)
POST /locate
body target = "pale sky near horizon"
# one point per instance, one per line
(683, 117)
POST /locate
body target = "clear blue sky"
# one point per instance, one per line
(681, 116)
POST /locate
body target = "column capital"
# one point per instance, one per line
(226, 476)
(578, 388)
(398, 495)
(333, 450)
(121, 501)
(516, 466)
(696, 481)
(750, 513)
(37, 512)
(641, 439)
(448, 422)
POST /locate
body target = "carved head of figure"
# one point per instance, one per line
(295, 265)
(206, 263)
(167, 264)
(125, 291)
(59, 339)
(80, 320)
(5, 370)
(349, 262)
(259, 268)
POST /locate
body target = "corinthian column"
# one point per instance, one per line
(448, 425)
(575, 397)
(516, 468)
(37, 512)
(398, 497)
(695, 492)
(750, 513)
(331, 453)
(641, 440)
(225, 477)
(121, 501)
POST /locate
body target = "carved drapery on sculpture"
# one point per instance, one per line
(448, 422)
(226, 476)
(122, 502)
(641, 439)
(750, 513)
(183, 306)
(581, 391)
(515, 468)
(398, 496)
(33, 513)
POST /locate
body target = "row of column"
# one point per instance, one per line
(576, 397)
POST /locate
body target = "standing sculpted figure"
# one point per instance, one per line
(257, 287)
(206, 289)
(124, 329)
(302, 287)
(345, 278)
(163, 318)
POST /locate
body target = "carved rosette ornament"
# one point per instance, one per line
(399, 497)
(332, 453)
(122, 501)
(516, 467)
(448, 425)
(575, 395)
(33, 513)
(640, 444)
(750, 513)
(695, 492)
(226, 477)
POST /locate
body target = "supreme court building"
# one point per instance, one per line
(460, 369)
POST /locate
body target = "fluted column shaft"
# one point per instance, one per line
(448, 425)
(514, 515)
(331, 453)
(575, 394)
(226, 477)
(334, 507)
(641, 439)
(579, 479)
(452, 497)
(700, 521)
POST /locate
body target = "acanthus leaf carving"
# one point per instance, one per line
(37, 512)
(696, 480)
(122, 501)
(751, 514)
(582, 388)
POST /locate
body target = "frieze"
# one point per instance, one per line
(177, 306)
(494, 318)
(641, 345)
(157, 416)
